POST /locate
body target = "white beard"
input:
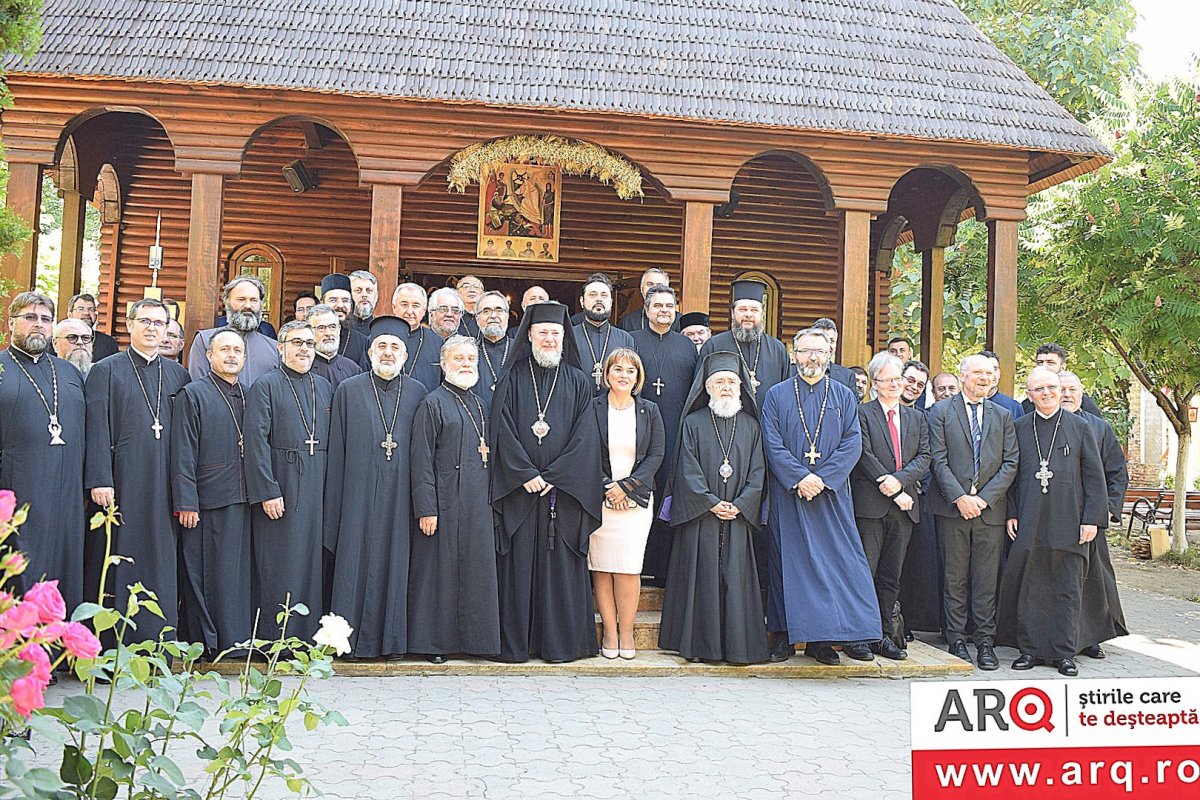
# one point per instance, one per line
(463, 381)
(81, 359)
(385, 371)
(810, 371)
(725, 407)
(547, 360)
(493, 331)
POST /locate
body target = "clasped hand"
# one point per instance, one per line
(971, 506)
(538, 485)
(810, 486)
(615, 497)
(903, 501)
(725, 511)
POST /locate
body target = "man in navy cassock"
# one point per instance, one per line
(820, 591)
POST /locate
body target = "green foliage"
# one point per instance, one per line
(1077, 50)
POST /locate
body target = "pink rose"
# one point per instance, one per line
(14, 562)
(80, 642)
(20, 617)
(8, 504)
(36, 655)
(27, 695)
(49, 634)
(48, 601)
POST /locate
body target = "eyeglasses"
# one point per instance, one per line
(76, 338)
(445, 310)
(152, 323)
(887, 381)
(487, 312)
(1042, 389)
(470, 285)
(32, 318)
(333, 326)
(813, 351)
(174, 336)
(309, 343)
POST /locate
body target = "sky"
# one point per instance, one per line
(1167, 31)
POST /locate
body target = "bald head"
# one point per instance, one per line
(1043, 389)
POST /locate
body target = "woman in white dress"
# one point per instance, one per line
(632, 441)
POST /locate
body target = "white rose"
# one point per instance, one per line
(335, 632)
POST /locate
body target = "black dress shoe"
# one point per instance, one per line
(887, 648)
(781, 648)
(696, 660)
(1095, 651)
(859, 651)
(1026, 661)
(1066, 666)
(985, 657)
(436, 658)
(958, 649)
(823, 654)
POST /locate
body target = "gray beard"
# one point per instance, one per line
(35, 344)
(744, 336)
(364, 310)
(328, 349)
(461, 382)
(725, 407)
(494, 331)
(548, 360)
(242, 321)
(598, 316)
(810, 371)
(81, 359)
(444, 334)
(385, 371)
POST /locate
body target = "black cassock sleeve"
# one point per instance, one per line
(260, 474)
(98, 428)
(185, 451)
(690, 494)
(749, 500)
(335, 468)
(427, 426)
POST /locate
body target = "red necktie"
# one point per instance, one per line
(891, 415)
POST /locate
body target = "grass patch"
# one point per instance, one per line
(1189, 559)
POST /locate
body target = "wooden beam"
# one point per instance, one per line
(856, 287)
(25, 200)
(386, 204)
(696, 255)
(204, 253)
(933, 307)
(1002, 298)
(71, 257)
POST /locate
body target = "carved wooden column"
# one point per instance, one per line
(856, 287)
(204, 252)
(696, 255)
(25, 200)
(933, 307)
(1002, 298)
(70, 262)
(386, 205)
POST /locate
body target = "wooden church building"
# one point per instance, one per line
(792, 141)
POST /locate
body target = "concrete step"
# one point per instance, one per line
(645, 630)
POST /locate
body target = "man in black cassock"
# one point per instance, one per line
(335, 293)
(712, 609)
(452, 598)
(669, 361)
(547, 492)
(130, 400)
(83, 307)
(638, 320)
(1054, 358)
(695, 325)
(765, 357)
(841, 374)
(424, 346)
(364, 290)
(328, 330)
(287, 442)
(1101, 615)
(211, 502)
(1056, 505)
(41, 448)
(494, 342)
(595, 336)
(368, 516)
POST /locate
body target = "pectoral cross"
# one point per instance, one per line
(812, 455)
(56, 430)
(658, 385)
(157, 428)
(754, 384)
(389, 444)
(483, 451)
(598, 374)
(312, 443)
(1044, 475)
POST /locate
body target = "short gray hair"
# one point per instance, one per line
(417, 286)
(880, 360)
(456, 341)
(493, 293)
(661, 288)
(319, 308)
(262, 290)
(363, 275)
(294, 325)
(965, 365)
(800, 334)
(446, 291)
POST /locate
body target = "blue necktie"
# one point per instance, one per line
(976, 435)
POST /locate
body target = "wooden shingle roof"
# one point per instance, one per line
(903, 68)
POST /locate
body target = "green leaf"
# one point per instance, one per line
(76, 769)
(104, 620)
(106, 788)
(168, 768)
(311, 721)
(296, 785)
(46, 726)
(85, 611)
(84, 707)
(152, 780)
(41, 781)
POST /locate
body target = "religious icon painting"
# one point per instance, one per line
(518, 213)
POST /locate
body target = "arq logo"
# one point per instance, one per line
(1029, 709)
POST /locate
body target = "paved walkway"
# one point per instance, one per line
(573, 738)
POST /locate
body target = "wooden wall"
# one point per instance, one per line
(780, 227)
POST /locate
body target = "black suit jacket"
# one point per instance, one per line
(953, 460)
(879, 459)
(651, 447)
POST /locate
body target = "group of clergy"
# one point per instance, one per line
(434, 478)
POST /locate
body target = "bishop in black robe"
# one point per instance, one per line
(545, 590)
(209, 477)
(669, 361)
(124, 453)
(368, 513)
(712, 609)
(766, 360)
(1041, 591)
(452, 595)
(286, 456)
(594, 343)
(47, 476)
